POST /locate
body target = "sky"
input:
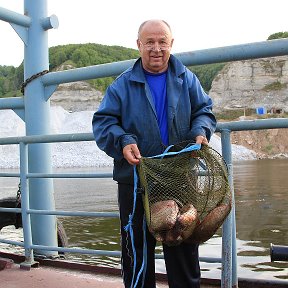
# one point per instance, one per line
(196, 25)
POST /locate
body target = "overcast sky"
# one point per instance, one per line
(195, 24)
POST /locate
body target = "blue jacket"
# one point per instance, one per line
(127, 115)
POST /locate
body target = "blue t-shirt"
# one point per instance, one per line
(157, 85)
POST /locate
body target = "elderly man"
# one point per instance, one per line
(155, 103)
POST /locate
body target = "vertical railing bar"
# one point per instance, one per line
(229, 252)
(227, 154)
(234, 241)
(26, 219)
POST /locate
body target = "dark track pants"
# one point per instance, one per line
(182, 261)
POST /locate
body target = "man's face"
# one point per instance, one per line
(154, 44)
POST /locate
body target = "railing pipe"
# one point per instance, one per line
(12, 103)
(78, 250)
(70, 175)
(13, 175)
(246, 51)
(14, 17)
(11, 242)
(108, 253)
(26, 219)
(55, 138)
(214, 55)
(94, 252)
(85, 73)
(74, 213)
(111, 253)
(227, 225)
(259, 124)
(9, 210)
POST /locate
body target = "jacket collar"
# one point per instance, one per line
(174, 85)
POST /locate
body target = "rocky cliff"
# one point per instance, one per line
(76, 96)
(251, 84)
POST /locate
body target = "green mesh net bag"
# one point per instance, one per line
(186, 195)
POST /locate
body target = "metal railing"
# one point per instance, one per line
(229, 226)
(24, 178)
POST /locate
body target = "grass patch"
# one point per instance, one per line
(274, 86)
(235, 114)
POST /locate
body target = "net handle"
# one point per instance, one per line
(189, 148)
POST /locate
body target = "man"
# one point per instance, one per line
(155, 103)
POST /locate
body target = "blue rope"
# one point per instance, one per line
(129, 226)
(144, 260)
(144, 249)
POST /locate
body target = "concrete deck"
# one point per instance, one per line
(47, 277)
(44, 277)
(12, 276)
(63, 274)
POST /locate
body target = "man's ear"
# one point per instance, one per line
(138, 44)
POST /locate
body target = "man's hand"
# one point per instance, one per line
(201, 140)
(132, 154)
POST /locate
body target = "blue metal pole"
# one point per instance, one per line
(26, 223)
(212, 55)
(259, 124)
(254, 50)
(14, 17)
(229, 249)
(12, 103)
(37, 119)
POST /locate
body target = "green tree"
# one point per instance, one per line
(278, 35)
(206, 73)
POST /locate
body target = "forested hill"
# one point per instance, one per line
(76, 55)
(82, 55)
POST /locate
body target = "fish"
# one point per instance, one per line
(188, 220)
(210, 224)
(188, 216)
(185, 223)
(163, 215)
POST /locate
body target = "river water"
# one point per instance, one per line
(261, 194)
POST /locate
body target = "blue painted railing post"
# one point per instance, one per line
(26, 218)
(229, 251)
(37, 120)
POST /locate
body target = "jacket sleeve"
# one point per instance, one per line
(203, 121)
(107, 129)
